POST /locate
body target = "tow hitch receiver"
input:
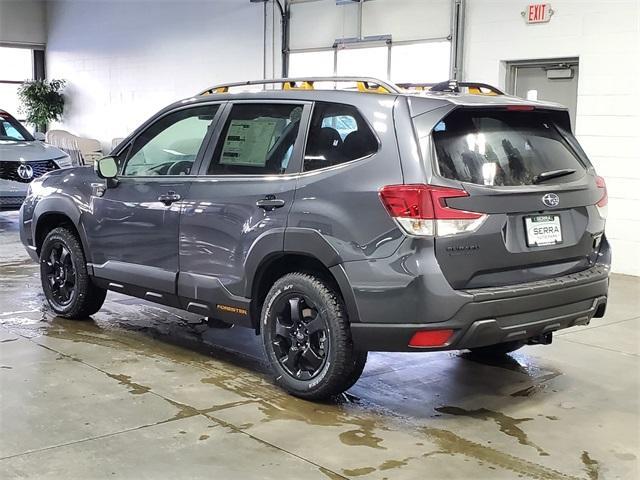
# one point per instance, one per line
(544, 339)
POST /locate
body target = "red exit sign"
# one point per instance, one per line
(538, 13)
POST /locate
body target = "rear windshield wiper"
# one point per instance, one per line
(544, 176)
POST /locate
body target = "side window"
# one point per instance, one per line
(170, 146)
(337, 134)
(8, 132)
(257, 139)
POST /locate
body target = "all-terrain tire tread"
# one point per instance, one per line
(90, 297)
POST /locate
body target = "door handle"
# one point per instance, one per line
(269, 203)
(169, 197)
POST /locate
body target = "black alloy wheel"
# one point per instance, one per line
(300, 336)
(307, 337)
(60, 272)
(66, 283)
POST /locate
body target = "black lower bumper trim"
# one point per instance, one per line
(479, 333)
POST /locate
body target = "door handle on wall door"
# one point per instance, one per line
(270, 202)
(169, 197)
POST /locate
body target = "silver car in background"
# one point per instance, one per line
(23, 158)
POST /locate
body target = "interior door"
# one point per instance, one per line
(133, 231)
(242, 198)
(549, 82)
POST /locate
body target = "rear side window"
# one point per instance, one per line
(501, 148)
(337, 134)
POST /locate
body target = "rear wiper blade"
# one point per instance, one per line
(544, 176)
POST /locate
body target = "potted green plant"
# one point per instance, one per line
(42, 101)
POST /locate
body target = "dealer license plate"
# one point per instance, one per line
(543, 230)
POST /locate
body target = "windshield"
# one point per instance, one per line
(10, 129)
(501, 148)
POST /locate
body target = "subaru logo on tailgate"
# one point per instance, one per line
(25, 172)
(551, 200)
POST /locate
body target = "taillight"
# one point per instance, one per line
(421, 210)
(430, 338)
(602, 204)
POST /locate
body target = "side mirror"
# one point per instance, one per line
(39, 136)
(107, 168)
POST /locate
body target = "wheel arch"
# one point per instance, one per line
(279, 264)
(51, 213)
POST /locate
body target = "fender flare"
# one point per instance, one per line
(60, 205)
(300, 241)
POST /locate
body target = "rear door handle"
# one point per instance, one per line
(169, 197)
(270, 202)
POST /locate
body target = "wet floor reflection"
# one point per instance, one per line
(406, 409)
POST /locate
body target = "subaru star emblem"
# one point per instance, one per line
(25, 171)
(551, 200)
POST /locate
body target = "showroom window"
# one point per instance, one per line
(170, 146)
(17, 66)
(422, 62)
(257, 139)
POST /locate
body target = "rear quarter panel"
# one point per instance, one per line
(341, 203)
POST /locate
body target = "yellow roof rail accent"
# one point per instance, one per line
(364, 84)
(366, 87)
(304, 85)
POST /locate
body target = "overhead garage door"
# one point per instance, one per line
(398, 40)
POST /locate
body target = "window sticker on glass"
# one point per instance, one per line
(248, 141)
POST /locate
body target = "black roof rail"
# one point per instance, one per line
(364, 84)
(454, 87)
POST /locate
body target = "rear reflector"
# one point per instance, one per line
(422, 209)
(430, 338)
(604, 199)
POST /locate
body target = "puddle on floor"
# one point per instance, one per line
(150, 331)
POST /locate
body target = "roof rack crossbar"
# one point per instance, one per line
(367, 84)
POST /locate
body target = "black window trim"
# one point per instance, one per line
(333, 167)
(295, 163)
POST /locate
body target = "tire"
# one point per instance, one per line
(317, 364)
(65, 280)
(499, 349)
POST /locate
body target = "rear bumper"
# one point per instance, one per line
(502, 314)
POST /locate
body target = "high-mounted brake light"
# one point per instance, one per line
(602, 204)
(520, 108)
(422, 210)
(430, 338)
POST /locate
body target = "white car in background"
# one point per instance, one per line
(23, 158)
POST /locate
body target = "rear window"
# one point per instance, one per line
(501, 148)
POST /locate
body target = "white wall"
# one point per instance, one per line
(22, 22)
(605, 35)
(124, 60)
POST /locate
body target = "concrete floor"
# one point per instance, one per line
(138, 393)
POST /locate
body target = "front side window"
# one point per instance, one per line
(337, 134)
(10, 129)
(257, 139)
(170, 146)
(500, 148)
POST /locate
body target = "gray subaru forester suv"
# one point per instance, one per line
(336, 222)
